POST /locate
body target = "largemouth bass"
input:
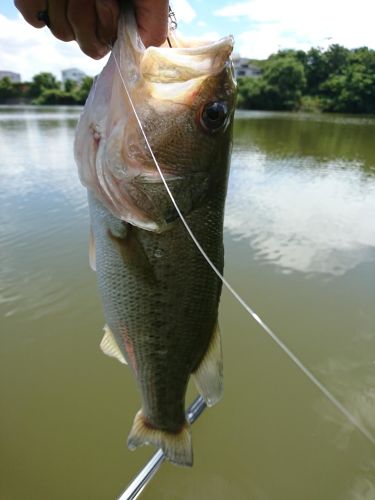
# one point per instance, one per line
(159, 295)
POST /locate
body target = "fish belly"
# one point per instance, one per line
(160, 302)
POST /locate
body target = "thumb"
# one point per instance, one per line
(152, 21)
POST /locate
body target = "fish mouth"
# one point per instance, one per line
(180, 63)
(186, 58)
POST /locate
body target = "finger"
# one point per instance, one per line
(107, 12)
(30, 10)
(59, 24)
(152, 20)
(82, 18)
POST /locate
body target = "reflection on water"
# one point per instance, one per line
(323, 137)
(40, 188)
(300, 204)
(354, 384)
(304, 197)
(302, 214)
(364, 487)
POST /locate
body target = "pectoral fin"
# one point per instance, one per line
(208, 376)
(92, 250)
(109, 346)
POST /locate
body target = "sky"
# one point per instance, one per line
(260, 27)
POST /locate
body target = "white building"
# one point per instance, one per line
(13, 77)
(243, 67)
(73, 74)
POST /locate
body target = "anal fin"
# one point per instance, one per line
(109, 346)
(208, 376)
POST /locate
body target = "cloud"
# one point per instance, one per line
(263, 41)
(183, 10)
(210, 36)
(28, 51)
(295, 24)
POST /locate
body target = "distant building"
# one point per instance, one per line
(14, 77)
(243, 67)
(73, 74)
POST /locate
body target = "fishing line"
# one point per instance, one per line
(229, 287)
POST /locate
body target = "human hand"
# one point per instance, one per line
(93, 23)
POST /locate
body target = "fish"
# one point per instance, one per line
(159, 295)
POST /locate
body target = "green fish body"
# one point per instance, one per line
(159, 295)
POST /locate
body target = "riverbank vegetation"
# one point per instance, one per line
(45, 89)
(334, 80)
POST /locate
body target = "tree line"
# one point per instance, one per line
(334, 80)
(45, 89)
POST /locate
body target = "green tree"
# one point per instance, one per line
(316, 70)
(336, 58)
(321, 65)
(55, 96)
(84, 89)
(248, 91)
(284, 81)
(41, 82)
(279, 87)
(7, 90)
(351, 91)
(364, 56)
(70, 86)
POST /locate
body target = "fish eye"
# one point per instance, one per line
(213, 116)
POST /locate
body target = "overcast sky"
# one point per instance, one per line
(260, 27)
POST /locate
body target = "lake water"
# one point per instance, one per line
(300, 249)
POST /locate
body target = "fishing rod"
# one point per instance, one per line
(137, 485)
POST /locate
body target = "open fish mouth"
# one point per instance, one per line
(185, 59)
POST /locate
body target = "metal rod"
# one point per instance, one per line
(144, 476)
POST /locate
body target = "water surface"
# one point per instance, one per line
(300, 248)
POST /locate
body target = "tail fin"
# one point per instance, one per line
(177, 447)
